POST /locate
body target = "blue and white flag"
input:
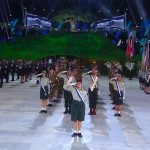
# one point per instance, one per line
(35, 20)
(117, 22)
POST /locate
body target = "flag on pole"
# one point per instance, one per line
(130, 45)
(146, 55)
(117, 22)
(36, 21)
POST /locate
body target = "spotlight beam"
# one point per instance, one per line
(5, 12)
(8, 6)
(131, 12)
(99, 8)
(53, 7)
(120, 5)
(4, 23)
(21, 4)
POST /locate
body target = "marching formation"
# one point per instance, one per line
(65, 78)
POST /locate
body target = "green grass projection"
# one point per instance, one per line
(86, 45)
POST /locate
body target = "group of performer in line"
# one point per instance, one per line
(75, 95)
(144, 78)
(56, 80)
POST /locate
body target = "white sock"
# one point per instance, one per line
(118, 112)
(115, 112)
(79, 131)
(42, 108)
(75, 131)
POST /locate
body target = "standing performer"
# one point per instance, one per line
(1, 74)
(119, 93)
(67, 94)
(12, 69)
(6, 71)
(78, 105)
(44, 91)
(130, 67)
(93, 78)
(147, 86)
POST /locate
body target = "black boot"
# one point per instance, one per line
(90, 113)
(66, 111)
(94, 112)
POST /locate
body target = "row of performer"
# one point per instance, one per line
(76, 94)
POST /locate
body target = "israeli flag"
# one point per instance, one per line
(35, 20)
(117, 22)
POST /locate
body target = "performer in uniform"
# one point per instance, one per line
(44, 91)
(130, 67)
(1, 74)
(94, 82)
(119, 93)
(78, 105)
(12, 69)
(147, 88)
(6, 71)
(67, 94)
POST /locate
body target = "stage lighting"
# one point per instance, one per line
(52, 10)
(99, 11)
(118, 10)
(10, 15)
(44, 9)
(141, 18)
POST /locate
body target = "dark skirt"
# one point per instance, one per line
(141, 80)
(147, 84)
(118, 100)
(77, 110)
(43, 94)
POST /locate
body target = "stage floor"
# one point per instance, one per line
(22, 127)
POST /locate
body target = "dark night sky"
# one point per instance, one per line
(135, 8)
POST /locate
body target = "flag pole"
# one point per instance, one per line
(26, 21)
(125, 15)
(148, 51)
